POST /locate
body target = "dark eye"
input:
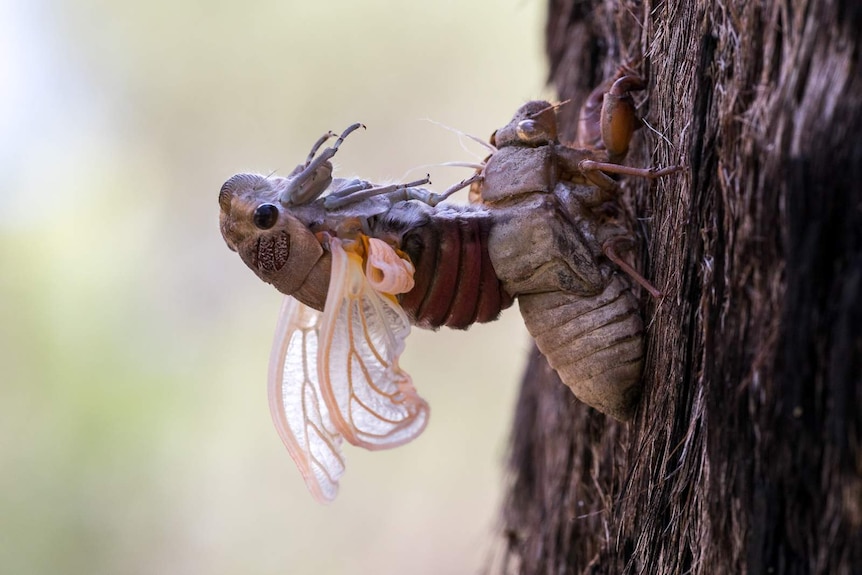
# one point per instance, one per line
(529, 131)
(265, 216)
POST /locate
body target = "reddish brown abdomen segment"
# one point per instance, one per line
(456, 285)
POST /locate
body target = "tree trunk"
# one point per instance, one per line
(745, 455)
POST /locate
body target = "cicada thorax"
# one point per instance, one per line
(455, 282)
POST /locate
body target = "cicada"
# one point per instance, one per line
(359, 263)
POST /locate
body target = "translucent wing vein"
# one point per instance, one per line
(371, 400)
(298, 409)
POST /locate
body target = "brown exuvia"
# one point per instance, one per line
(558, 246)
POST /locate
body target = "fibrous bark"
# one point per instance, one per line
(746, 451)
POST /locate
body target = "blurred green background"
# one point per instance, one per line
(135, 435)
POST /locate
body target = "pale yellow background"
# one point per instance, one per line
(134, 431)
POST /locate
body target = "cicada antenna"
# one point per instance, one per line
(559, 105)
(553, 107)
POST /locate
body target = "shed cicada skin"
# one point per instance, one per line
(573, 286)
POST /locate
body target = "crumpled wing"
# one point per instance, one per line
(372, 401)
(298, 409)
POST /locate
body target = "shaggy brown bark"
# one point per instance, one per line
(746, 452)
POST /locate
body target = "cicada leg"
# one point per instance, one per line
(395, 193)
(606, 188)
(329, 152)
(359, 192)
(317, 145)
(349, 188)
(609, 248)
(307, 183)
(590, 166)
(410, 192)
(608, 121)
(608, 118)
(618, 118)
(465, 183)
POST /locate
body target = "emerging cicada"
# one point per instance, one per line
(359, 263)
(345, 261)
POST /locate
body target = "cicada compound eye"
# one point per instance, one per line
(265, 216)
(531, 132)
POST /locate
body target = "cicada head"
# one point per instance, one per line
(271, 240)
(534, 124)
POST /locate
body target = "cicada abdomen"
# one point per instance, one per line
(595, 343)
(456, 285)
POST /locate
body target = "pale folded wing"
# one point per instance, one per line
(298, 409)
(371, 400)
